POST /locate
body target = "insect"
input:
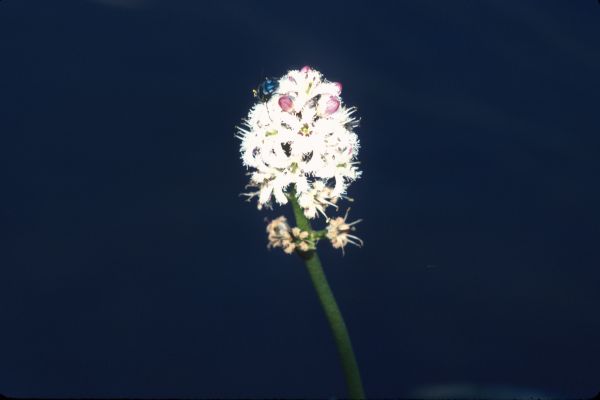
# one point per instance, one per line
(265, 90)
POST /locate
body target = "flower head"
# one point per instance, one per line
(302, 134)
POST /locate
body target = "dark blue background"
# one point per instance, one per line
(129, 266)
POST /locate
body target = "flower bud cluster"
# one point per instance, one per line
(280, 234)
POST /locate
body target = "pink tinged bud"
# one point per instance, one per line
(306, 68)
(331, 105)
(339, 87)
(286, 103)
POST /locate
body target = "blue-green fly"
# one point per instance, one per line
(265, 90)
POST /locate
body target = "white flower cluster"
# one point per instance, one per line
(299, 132)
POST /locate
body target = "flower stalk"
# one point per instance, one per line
(331, 309)
(299, 145)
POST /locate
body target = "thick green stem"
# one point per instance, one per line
(332, 311)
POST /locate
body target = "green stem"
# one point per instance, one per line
(332, 311)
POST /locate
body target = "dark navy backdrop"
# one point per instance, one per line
(129, 266)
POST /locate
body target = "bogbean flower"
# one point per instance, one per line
(299, 145)
(298, 140)
(338, 232)
(302, 134)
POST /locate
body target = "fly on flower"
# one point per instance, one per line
(298, 140)
(265, 90)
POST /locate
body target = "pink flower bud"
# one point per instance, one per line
(330, 105)
(339, 87)
(286, 103)
(306, 68)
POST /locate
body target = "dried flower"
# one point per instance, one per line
(338, 232)
(279, 235)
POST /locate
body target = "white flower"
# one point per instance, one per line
(300, 134)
